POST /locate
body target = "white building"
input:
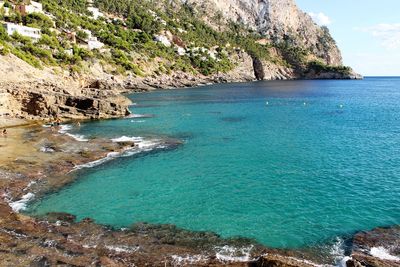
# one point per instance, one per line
(180, 50)
(33, 33)
(34, 7)
(93, 43)
(96, 12)
(163, 39)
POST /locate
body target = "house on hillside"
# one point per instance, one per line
(28, 7)
(30, 32)
(90, 42)
(163, 40)
(93, 43)
(96, 12)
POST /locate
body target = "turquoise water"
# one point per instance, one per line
(289, 163)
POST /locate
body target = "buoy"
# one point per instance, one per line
(305, 103)
(267, 103)
(341, 106)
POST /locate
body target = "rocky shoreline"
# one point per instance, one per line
(57, 239)
(54, 93)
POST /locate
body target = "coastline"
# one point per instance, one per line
(48, 239)
(31, 171)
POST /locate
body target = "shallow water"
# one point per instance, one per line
(289, 163)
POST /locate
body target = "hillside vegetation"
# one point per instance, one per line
(137, 34)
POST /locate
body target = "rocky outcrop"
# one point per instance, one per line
(330, 75)
(377, 248)
(247, 68)
(30, 93)
(48, 100)
(258, 69)
(283, 21)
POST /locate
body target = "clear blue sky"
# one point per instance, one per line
(367, 32)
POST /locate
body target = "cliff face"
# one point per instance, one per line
(29, 93)
(278, 20)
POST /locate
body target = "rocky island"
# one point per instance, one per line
(75, 60)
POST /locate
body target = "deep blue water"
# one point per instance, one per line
(290, 163)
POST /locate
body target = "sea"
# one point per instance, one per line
(289, 164)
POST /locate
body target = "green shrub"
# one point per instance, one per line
(21, 39)
(319, 67)
(38, 20)
(27, 57)
(82, 35)
(4, 48)
(50, 41)
(121, 59)
(3, 34)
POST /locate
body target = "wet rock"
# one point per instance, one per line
(105, 261)
(280, 261)
(379, 247)
(60, 216)
(353, 263)
(40, 262)
(87, 220)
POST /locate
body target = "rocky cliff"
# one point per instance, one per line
(29, 93)
(278, 20)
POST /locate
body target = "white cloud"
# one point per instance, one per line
(320, 18)
(387, 34)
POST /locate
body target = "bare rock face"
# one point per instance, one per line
(47, 100)
(279, 20)
(282, 20)
(258, 69)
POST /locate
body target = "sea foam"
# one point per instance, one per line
(64, 130)
(78, 137)
(122, 249)
(383, 254)
(135, 116)
(141, 145)
(20, 205)
(233, 254)
(141, 142)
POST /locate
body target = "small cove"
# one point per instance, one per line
(289, 164)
